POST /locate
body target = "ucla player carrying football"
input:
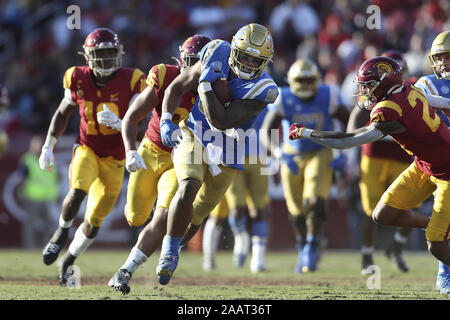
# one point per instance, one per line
(212, 130)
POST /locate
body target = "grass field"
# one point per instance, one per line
(23, 276)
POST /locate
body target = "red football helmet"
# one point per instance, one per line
(397, 55)
(103, 51)
(377, 77)
(190, 49)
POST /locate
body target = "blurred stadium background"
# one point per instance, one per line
(36, 47)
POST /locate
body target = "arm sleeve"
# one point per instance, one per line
(368, 136)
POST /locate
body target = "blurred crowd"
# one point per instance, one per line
(36, 46)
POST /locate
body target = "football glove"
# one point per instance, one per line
(109, 119)
(46, 159)
(170, 133)
(288, 159)
(295, 131)
(134, 161)
(211, 75)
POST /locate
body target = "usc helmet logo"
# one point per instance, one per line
(382, 68)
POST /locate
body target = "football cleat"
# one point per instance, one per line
(310, 255)
(257, 268)
(50, 253)
(65, 270)
(239, 260)
(443, 279)
(394, 252)
(367, 262)
(166, 267)
(120, 280)
(54, 246)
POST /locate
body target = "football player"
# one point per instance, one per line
(381, 162)
(213, 130)
(102, 89)
(399, 109)
(306, 167)
(248, 191)
(152, 175)
(439, 84)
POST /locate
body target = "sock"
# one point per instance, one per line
(65, 224)
(367, 250)
(241, 236)
(313, 240)
(79, 243)
(258, 251)
(399, 238)
(299, 243)
(260, 228)
(211, 237)
(237, 226)
(171, 245)
(135, 259)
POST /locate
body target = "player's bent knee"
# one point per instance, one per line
(187, 189)
(438, 248)
(316, 208)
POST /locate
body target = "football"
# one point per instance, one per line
(222, 90)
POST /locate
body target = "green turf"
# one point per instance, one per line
(23, 276)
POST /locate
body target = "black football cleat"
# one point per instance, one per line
(54, 246)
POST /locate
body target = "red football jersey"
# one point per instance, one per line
(159, 78)
(116, 94)
(386, 150)
(426, 136)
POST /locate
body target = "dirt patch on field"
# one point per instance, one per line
(183, 281)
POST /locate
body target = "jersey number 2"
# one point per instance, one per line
(433, 124)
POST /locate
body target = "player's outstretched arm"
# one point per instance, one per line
(342, 140)
(57, 127)
(137, 111)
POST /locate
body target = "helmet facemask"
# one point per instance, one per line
(104, 59)
(440, 63)
(187, 60)
(247, 65)
(365, 97)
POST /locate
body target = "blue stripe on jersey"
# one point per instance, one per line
(314, 114)
(439, 87)
(262, 88)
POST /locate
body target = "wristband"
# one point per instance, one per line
(204, 86)
(50, 142)
(305, 132)
(166, 116)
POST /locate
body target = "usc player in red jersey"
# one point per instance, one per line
(97, 166)
(399, 109)
(381, 162)
(152, 175)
